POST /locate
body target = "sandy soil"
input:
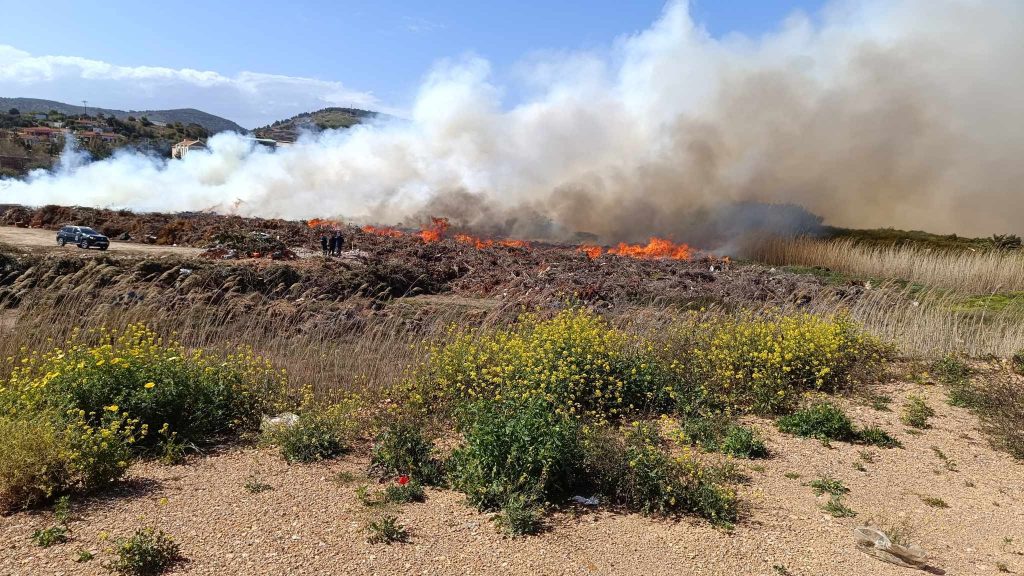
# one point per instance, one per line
(311, 523)
(40, 241)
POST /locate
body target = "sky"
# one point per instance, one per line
(255, 61)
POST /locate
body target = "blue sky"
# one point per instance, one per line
(363, 53)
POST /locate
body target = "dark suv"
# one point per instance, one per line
(84, 236)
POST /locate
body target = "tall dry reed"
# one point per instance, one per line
(977, 272)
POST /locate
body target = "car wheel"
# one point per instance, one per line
(61, 241)
(84, 244)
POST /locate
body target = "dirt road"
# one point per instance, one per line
(39, 240)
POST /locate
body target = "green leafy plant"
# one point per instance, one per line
(84, 556)
(519, 517)
(386, 530)
(403, 449)
(319, 434)
(718, 434)
(822, 420)
(916, 412)
(255, 485)
(875, 436)
(632, 470)
(404, 490)
(46, 537)
(147, 552)
(829, 485)
(837, 509)
(522, 449)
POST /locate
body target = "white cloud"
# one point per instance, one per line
(249, 98)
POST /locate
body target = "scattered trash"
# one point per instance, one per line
(282, 420)
(184, 272)
(877, 544)
(592, 501)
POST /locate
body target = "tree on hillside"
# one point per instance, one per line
(13, 112)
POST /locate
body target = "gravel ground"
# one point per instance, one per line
(311, 523)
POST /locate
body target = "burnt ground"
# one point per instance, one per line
(377, 267)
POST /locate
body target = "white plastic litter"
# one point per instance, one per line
(877, 544)
(282, 420)
(592, 501)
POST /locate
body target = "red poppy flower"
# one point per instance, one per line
(403, 479)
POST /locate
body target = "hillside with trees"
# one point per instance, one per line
(288, 130)
(184, 116)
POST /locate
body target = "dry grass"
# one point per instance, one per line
(931, 323)
(332, 357)
(969, 271)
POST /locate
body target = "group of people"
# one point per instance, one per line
(332, 246)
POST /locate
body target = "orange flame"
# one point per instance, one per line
(323, 222)
(383, 231)
(514, 243)
(655, 248)
(438, 226)
(591, 251)
(474, 241)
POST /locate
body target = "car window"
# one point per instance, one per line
(85, 230)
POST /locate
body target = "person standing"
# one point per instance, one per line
(334, 243)
(323, 244)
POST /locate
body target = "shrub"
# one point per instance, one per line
(1001, 409)
(148, 552)
(575, 361)
(875, 436)
(916, 412)
(632, 470)
(46, 537)
(525, 449)
(826, 421)
(403, 491)
(829, 485)
(837, 509)
(1018, 361)
(198, 396)
(823, 421)
(385, 530)
(717, 434)
(764, 363)
(519, 517)
(45, 454)
(402, 449)
(317, 435)
(952, 370)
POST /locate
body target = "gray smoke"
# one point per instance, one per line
(904, 113)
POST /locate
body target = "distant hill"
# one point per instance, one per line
(186, 116)
(325, 119)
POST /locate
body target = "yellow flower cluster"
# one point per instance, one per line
(575, 360)
(764, 363)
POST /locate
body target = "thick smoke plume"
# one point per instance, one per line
(905, 113)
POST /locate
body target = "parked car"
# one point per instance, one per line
(83, 236)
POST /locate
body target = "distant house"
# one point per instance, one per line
(89, 137)
(182, 148)
(40, 134)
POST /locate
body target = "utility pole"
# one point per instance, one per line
(85, 107)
